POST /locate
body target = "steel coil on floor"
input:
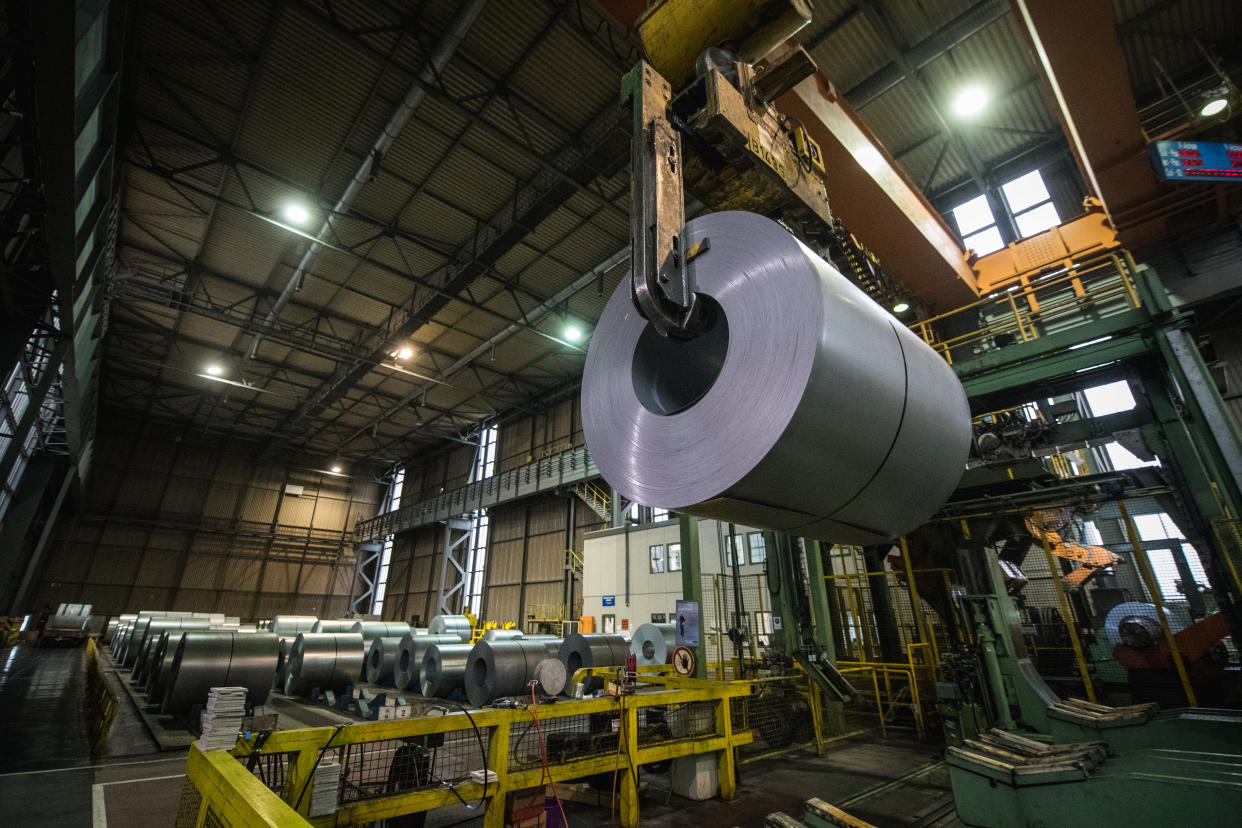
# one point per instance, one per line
(328, 661)
(407, 668)
(381, 659)
(455, 624)
(333, 625)
(804, 407)
(443, 670)
(150, 639)
(592, 650)
(501, 635)
(654, 643)
(372, 630)
(161, 664)
(505, 668)
(218, 658)
(288, 626)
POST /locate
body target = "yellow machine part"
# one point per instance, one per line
(675, 32)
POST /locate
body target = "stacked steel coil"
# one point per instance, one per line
(333, 625)
(505, 668)
(150, 640)
(443, 669)
(288, 626)
(372, 630)
(654, 643)
(218, 658)
(408, 663)
(454, 624)
(592, 650)
(328, 661)
(381, 659)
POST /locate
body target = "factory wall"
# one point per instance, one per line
(531, 437)
(177, 522)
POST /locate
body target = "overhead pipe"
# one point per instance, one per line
(434, 66)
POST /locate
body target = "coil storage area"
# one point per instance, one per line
(804, 407)
(411, 649)
(324, 661)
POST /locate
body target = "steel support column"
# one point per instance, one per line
(692, 583)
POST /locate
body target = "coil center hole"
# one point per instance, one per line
(671, 375)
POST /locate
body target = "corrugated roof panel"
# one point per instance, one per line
(851, 54)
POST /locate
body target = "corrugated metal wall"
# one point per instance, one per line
(175, 523)
(535, 436)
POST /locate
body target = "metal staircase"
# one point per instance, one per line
(596, 497)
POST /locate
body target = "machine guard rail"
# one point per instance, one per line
(228, 784)
(569, 466)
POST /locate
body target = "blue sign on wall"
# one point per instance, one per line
(1197, 160)
(610, 600)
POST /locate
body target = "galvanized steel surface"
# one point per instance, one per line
(407, 668)
(381, 658)
(807, 408)
(329, 661)
(505, 668)
(219, 658)
(501, 635)
(457, 624)
(444, 669)
(288, 626)
(371, 630)
(592, 650)
(333, 625)
(654, 643)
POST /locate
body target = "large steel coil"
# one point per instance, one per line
(458, 625)
(333, 625)
(805, 407)
(407, 668)
(288, 626)
(219, 658)
(654, 643)
(161, 664)
(501, 635)
(110, 629)
(592, 650)
(505, 668)
(151, 636)
(381, 659)
(444, 669)
(372, 630)
(328, 661)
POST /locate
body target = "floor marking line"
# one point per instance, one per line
(94, 767)
(99, 809)
(144, 779)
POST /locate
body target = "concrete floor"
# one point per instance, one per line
(48, 778)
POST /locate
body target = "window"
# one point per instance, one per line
(658, 514)
(978, 226)
(485, 457)
(758, 551)
(1032, 206)
(674, 557)
(1110, 398)
(739, 547)
(391, 504)
(657, 558)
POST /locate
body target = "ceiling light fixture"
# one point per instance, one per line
(970, 101)
(215, 370)
(901, 307)
(404, 352)
(1214, 107)
(296, 214)
(573, 333)
(336, 469)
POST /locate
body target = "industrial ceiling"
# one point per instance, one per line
(461, 168)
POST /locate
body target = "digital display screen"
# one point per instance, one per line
(1197, 160)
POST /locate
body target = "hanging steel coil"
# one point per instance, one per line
(219, 658)
(505, 668)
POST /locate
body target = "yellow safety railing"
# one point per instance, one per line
(380, 777)
(601, 496)
(220, 791)
(889, 695)
(101, 702)
(1098, 283)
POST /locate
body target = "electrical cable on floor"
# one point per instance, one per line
(543, 754)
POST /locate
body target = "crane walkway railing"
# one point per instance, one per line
(565, 467)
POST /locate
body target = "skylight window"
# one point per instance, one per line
(1031, 204)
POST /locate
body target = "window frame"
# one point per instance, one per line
(668, 557)
(655, 555)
